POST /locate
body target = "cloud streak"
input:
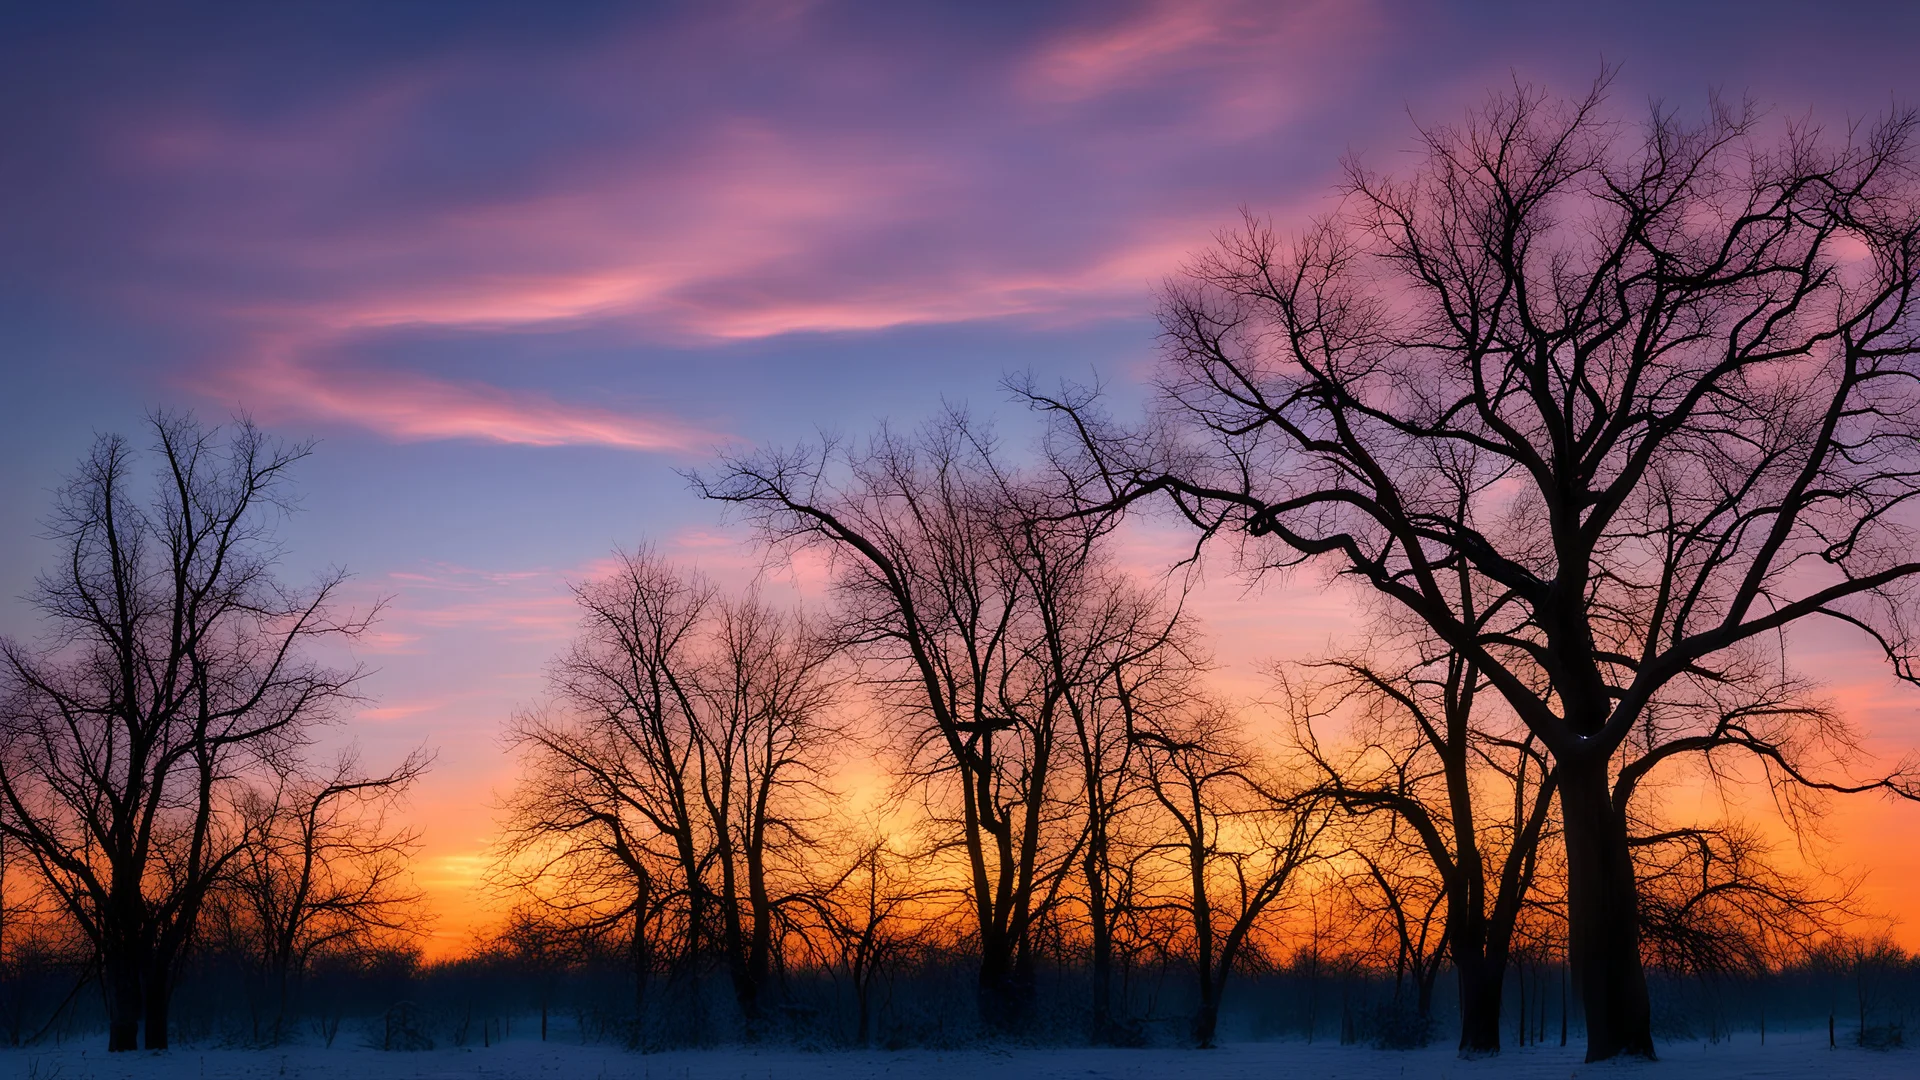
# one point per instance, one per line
(723, 176)
(280, 381)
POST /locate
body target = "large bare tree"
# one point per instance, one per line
(172, 670)
(1680, 360)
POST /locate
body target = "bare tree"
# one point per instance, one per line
(172, 669)
(326, 872)
(670, 780)
(1240, 842)
(1403, 901)
(573, 841)
(764, 740)
(1108, 648)
(1682, 366)
(1428, 754)
(936, 596)
(1713, 903)
(871, 918)
(605, 825)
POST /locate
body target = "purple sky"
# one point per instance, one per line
(514, 264)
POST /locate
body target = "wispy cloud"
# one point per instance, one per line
(278, 380)
(699, 180)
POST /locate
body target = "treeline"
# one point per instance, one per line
(1863, 991)
(1596, 427)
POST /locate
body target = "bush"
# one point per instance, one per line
(401, 1027)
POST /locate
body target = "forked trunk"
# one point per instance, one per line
(1006, 991)
(1603, 916)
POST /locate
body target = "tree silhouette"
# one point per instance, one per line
(172, 672)
(1677, 367)
(989, 626)
(1467, 795)
(666, 788)
(324, 872)
(1240, 841)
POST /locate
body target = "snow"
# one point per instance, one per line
(1795, 1054)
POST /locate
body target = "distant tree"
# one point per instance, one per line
(326, 871)
(1713, 903)
(670, 780)
(1109, 649)
(1873, 964)
(1680, 366)
(990, 623)
(1433, 772)
(172, 671)
(871, 919)
(1397, 893)
(603, 827)
(1239, 840)
(765, 739)
(933, 599)
(43, 964)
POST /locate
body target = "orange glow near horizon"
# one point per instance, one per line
(1248, 628)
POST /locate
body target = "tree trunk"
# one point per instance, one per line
(282, 1001)
(1603, 916)
(1480, 998)
(863, 994)
(1102, 951)
(1006, 988)
(1206, 1021)
(637, 955)
(1207, 1017)
(1521, 1016)
(1563, 1008)
(123, 1005)
(995, 992)
(159, 995)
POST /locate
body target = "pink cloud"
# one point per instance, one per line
(405, 711)
(855, 210)
(1098, 60)
(1253, 63)
(279, 381)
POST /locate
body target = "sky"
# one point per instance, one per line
(516, 266)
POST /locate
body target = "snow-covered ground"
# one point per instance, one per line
(1785, 1055)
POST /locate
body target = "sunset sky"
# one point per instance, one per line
(513, 265)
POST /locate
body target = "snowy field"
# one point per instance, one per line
(1785, 1055)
